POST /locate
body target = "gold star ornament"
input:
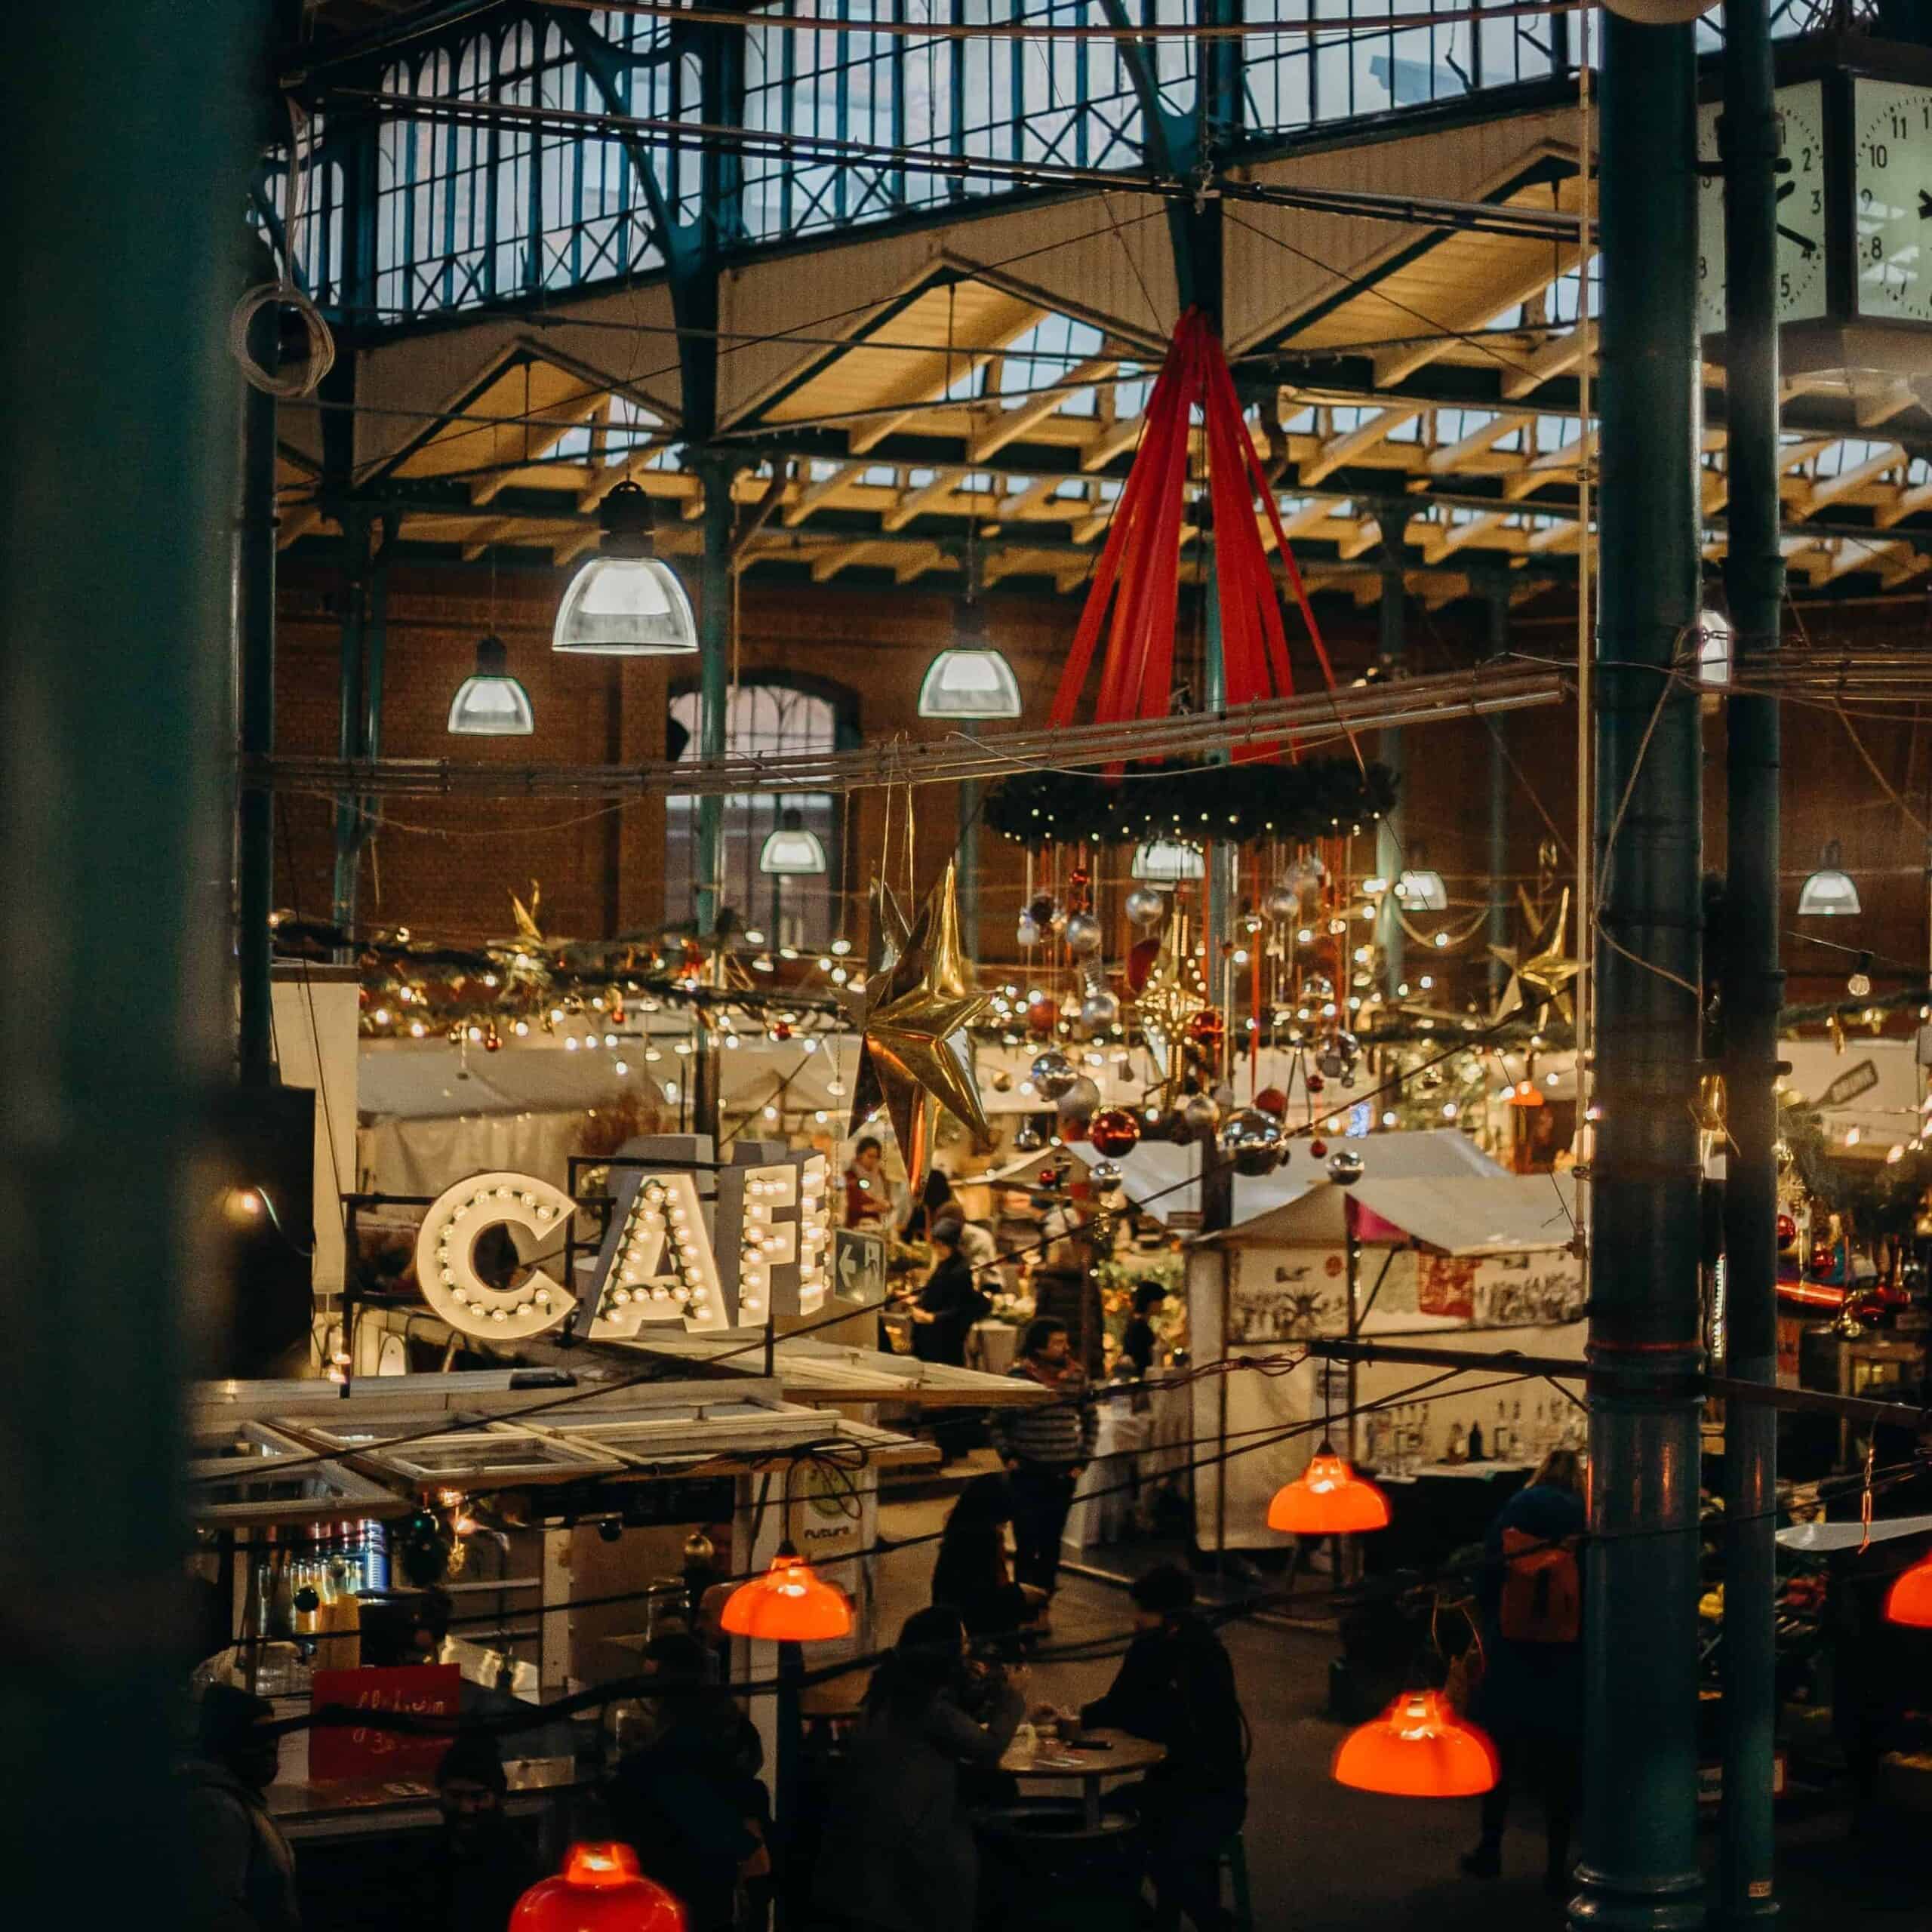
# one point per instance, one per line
(916, 1049)
(1550, 971)
(1174, 993)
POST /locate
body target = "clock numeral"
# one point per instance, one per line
(1900, 126)
(1784, 285)
(1879, 154)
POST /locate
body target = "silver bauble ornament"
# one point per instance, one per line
(1029, 1140)
(1078, 1101)
(1098, 1011)
(1083, 933)
(1029, 933)
(1284, 902)
(1199, 1115)
(1105, 1173)
(1304, 876)
(1054, 1073)
(1344, 1167)
(1251, 1143)
(1145, 906)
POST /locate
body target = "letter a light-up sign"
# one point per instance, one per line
(446, 1256)
(657, 1262)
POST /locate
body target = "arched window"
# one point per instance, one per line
(777, 716)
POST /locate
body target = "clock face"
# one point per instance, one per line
(1800, 190)
(1891, 172)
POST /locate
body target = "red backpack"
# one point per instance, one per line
(1542, 1590)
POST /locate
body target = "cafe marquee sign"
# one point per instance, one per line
(760, 1247)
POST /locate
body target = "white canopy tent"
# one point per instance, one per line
(1435, 1241)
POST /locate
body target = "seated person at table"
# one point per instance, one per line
(898, 1854)
(972, 1575)
(1175, 1687)
(689, 1802)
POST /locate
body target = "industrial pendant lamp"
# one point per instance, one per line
(791, 850)
(599, 1889)
(970, 680)
(1909, 1600)
(624, 603)
(1829, 893)
(489, 703)
(788, 1604)
(1328, 1499)
(1418, 1747)
(1169, 862)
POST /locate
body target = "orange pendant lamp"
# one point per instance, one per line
(1909, 1600)
(1328, 1499)
(1418, 1747)
(789, 1604)
(599, 1889)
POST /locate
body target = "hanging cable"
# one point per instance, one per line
(284, 293)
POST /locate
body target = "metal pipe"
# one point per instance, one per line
(714, 676)
(254, 555)
(1753, 980)
(118, 450)
(349, 700)
(1388, 853)
(1639, 1867)
(1498, 601)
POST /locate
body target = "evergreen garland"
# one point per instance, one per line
(1316, 799)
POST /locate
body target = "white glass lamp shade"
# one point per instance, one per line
(490, 703)
(969, 681)
(1169, 862)
(624, 603)
(1829, 892)
(1714, 649)
(792, 850)
(1421, 890)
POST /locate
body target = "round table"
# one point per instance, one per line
(1060, 1763)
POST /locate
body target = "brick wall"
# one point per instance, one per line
(447, 869)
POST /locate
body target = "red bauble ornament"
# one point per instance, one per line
(1207, 1029)
(1316, 1082)
(1140, 957)
(781, 1029)
(1787, 1231)
(1112, 1132)
(1272, 1100)
(1043, 1014)
(1317, 1148)
(599, 1889)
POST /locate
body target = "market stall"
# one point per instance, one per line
(1434, 1241)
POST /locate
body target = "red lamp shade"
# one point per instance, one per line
(1909, 1600)
(1328, 1499)
(599, 1889)
(788, 1604)
(1418, 1747)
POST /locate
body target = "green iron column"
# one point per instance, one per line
(1390, 859)
(349, 708)
(1497, 598)
(1639, 1867)
(1753, 983)
(117, 497)
(713, 672)
(254, 606)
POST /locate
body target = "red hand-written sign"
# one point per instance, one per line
(362, 1751)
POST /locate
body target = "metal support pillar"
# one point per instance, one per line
(252, 602)
(348, 810)
(1218, 926)
(117, 500)
(1393, 646)
(1753, 981)
(714, 671)
(1498, 601)
(1639, 1867)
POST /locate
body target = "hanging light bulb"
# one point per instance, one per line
(1328, 1499)
(792, 850)
(788, 1604)
(489, 703)
(1418, 1747)
(970, 680)
(624, 602)
(599, 1889)
(1909, 1600)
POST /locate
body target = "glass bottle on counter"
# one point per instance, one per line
(1478, 1451)
(1458, 1450)
(1501, 1445)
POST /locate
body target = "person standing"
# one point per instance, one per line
(1530, 1698)
(972, 1574)
(899, 1855)
(1045, 1450)
(480, 1866)
(949, 1304)
(1138, 1344)
(1175, 1687)
(244, 1873)
(868, 1192)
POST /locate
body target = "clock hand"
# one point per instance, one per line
(1924, 205)
(1804, 242)
(1787, 188)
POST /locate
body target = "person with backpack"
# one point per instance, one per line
(1530, 1697)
